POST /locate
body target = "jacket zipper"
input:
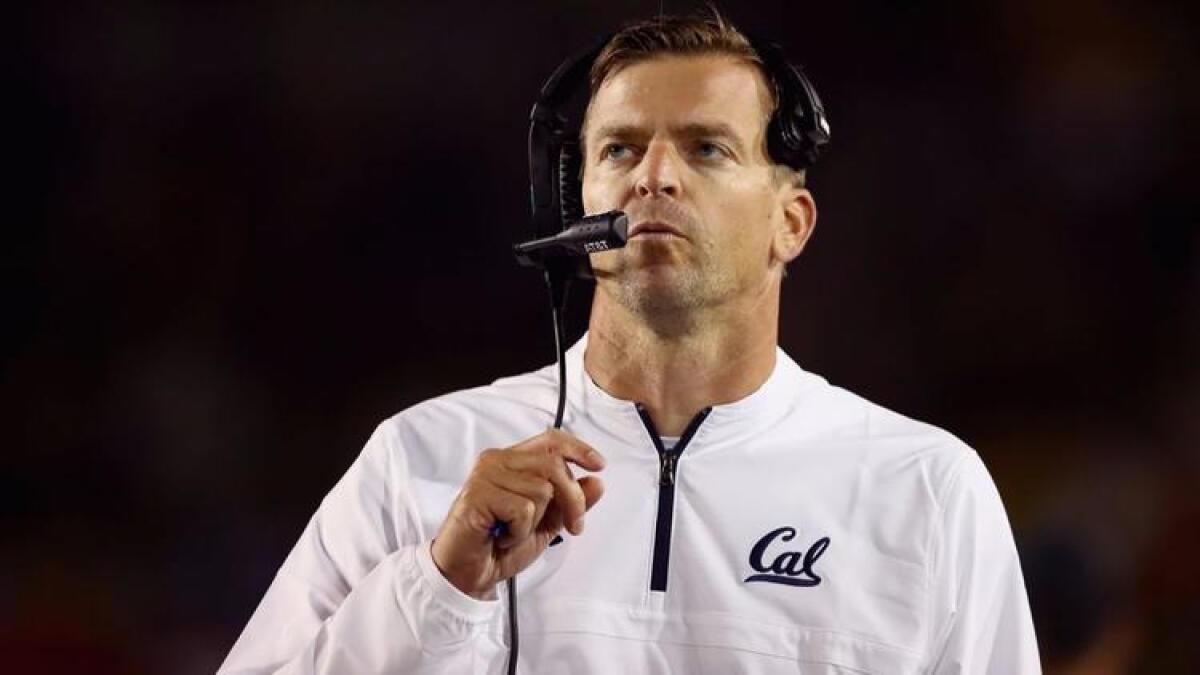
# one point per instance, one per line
(668, 462)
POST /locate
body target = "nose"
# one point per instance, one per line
(659, 172)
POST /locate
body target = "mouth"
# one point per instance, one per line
(654, 229)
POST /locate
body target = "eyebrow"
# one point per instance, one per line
(720, 130)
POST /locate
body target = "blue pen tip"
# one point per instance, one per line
(499, 529)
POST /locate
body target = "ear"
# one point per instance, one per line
(799, 221)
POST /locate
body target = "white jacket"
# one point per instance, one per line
(805, 530)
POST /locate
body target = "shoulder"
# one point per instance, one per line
(447, 431)
(880, 435)
(529, 393)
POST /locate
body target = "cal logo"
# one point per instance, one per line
(793, 568)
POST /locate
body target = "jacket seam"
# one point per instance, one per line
(935, 538)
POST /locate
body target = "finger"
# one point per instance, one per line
(561, 444)
(590, 489)
(527, 484)
(486, 503)
(547, 462)
(490, 467)
(568, 497)
(548, 454)
(553, 522)
(593, 490)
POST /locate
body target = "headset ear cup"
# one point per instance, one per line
(570, 188)
(778, 147)
(798, 129)
(789, 138)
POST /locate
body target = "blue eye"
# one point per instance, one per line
(709, 150)
(614, 151)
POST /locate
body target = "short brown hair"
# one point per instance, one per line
(699, 34)
(691, 35)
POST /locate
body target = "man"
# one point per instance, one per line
(752, 517)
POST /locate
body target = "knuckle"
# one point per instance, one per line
(578, 505)
(577, 496)
(567, 440)
(477, 520)
(470, 493)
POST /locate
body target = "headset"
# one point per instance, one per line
(796, 135)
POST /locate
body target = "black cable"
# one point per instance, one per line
(562, 368)
(512, 625)
(557, 281)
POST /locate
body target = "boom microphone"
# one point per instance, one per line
(593, 234)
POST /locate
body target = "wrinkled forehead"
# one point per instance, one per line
(672, 90)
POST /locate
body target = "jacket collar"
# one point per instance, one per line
(787, 388)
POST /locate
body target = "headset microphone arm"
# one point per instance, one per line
(593, 234)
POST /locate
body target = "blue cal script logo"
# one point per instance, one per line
(789, 567)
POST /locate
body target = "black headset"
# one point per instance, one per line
(796, 135)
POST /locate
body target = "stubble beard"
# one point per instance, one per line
(671, 299)
(668, 290)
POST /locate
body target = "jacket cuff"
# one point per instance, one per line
(447, 594)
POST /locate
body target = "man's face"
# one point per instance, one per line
(678, 143)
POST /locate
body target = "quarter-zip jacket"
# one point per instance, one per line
(801, 529)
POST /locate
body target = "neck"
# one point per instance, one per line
(720, 356)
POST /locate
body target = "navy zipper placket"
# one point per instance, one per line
(668, 464)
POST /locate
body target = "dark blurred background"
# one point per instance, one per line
(243, 235)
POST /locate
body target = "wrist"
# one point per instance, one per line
(438, 595)
(463, 584)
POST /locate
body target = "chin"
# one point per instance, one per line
(632, 261)
(660, 288)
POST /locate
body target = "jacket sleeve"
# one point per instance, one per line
(980, 619)
(359, 593)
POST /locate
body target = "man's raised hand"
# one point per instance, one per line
(530, 487)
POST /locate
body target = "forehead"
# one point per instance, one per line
(684, 89)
